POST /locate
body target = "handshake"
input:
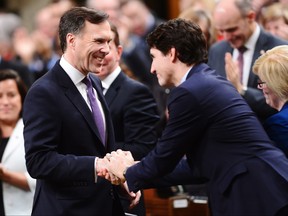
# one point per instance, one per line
(113, 167)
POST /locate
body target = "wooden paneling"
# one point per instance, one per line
(173, 206)
(173, 8)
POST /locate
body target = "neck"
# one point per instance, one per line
(7, 128)
(280, 105)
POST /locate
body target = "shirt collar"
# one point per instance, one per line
(110, 78)
(75, 75)
(185, 75)
(251, 43)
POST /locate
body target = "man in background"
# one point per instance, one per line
(244, 41)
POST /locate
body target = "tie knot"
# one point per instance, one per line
(242, 49)
(87, 82)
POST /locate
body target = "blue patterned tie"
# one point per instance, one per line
(95, 108)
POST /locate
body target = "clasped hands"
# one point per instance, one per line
(112, 168)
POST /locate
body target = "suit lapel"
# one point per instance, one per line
(261, 46)
(75, 97)
(114, 88)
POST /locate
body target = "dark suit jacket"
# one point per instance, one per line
(224, 143)
(134, 116)
(61, 143)
(21, 69)
(253, 96)
(276, 127)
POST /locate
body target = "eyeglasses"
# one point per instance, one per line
(260, 84)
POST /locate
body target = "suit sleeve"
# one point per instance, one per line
(181, 135)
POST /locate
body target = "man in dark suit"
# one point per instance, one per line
(133, 110)
(212, 125)
(62, 140)
(235, 20)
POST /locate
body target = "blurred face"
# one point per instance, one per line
(270, 97)
(90, 47)
(10, 101)
(111, 60)
(274, 26)
(138, 15)
(234, 28)
(111, 7)
(161, 67)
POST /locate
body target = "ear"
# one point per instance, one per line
(173, 54)
(251, 16)
(70, 38)
(119, 51)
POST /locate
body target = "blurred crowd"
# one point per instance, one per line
(39, 49)
(31, 53)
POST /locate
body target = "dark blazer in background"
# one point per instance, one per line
(21, 69)
(276, 127)
(224, 143)
(134, 115)
(253, 96)
(62, 141)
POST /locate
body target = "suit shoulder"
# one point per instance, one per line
(272, 40)
(220, 45)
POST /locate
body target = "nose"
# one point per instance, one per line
(152, 70)
(105, 49)
(227, 35)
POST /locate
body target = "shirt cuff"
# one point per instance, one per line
(95, 168)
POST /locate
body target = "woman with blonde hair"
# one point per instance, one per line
(272, 69)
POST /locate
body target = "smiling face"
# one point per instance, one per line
(161, 67)
(10, 101)
(232, 25)
(111, 60)
(88, 49)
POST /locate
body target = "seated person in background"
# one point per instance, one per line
(272, 69)
(17, 187)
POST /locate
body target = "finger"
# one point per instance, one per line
(136, 200)
(108, 156)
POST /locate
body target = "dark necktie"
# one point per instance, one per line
(241, 61)
(95, 108)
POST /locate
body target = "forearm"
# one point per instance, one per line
(17, 179)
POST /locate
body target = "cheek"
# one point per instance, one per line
(18, 104)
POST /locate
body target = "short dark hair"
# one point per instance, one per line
(183, 35)
(6, 74)
(73, 21)
(116, 39)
